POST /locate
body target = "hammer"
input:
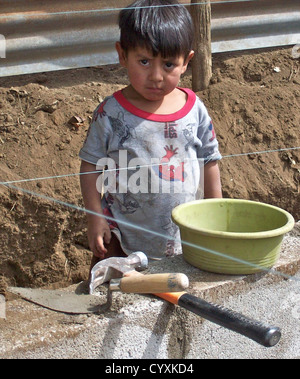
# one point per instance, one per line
(131, 281)
(122, 274)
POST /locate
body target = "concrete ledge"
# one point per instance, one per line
(140, 326)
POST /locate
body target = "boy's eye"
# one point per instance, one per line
(169, 64)
(144, 62)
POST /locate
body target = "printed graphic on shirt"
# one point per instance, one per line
(169, 229)
(170, 130)
(169, 168)
(189, 136)
(100, 112)
(121, 129)
(109, 218)
(212, 129)
(129, 204)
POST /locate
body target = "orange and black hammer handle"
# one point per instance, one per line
(263, 334)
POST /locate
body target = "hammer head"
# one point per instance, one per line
(116, 267)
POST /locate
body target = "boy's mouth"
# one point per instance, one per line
(154, 89)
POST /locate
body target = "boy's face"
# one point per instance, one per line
(152, 77)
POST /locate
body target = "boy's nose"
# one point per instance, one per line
(156, 74)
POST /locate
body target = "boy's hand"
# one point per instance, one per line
(98, 235)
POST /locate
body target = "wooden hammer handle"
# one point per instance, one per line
(152, 283)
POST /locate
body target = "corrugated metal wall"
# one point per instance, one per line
(48, 35)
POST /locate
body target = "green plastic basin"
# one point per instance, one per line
(231, 236)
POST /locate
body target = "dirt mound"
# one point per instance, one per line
(254, 100)
(255, 107)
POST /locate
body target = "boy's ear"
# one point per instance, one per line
(121, 53)
(189, 57)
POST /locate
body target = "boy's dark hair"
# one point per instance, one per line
(162, 26)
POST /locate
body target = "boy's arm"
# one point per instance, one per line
(212, 181)
(98, 228)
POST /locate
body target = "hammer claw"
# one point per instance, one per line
(116, 267)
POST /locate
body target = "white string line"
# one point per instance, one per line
(137, 227)
(262, 152)
(139, 166)
(115, 9)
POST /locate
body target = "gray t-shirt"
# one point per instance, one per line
(153, 163)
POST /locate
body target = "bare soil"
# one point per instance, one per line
(253, 99)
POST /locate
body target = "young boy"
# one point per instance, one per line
(151, 121)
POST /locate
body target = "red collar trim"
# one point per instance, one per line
(191, 98)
